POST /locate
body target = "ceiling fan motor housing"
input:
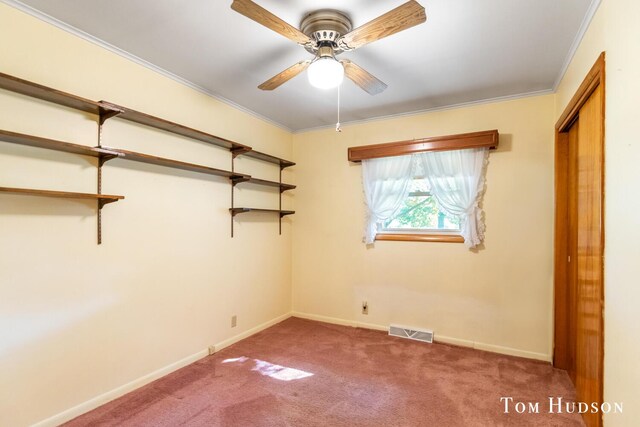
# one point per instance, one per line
(325, 27)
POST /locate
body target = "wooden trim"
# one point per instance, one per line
(444, 238)
(561, 357)
(488, 138)
(595, 77)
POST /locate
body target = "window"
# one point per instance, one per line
(420, 212)
(400, 205)
(419, 216)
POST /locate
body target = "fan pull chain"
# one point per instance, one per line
(338, 128)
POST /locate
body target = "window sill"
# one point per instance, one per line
(444, 238)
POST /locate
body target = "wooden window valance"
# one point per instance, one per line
(487, 138)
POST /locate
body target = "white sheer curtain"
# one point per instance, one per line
(456, 179)
(386, 186)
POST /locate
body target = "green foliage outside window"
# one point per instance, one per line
(420, 211)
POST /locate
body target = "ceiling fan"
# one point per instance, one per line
(327, 33)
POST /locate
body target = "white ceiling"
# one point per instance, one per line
(468, 50)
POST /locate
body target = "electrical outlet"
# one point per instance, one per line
(212, 349)
(365, 307)
(234, 321)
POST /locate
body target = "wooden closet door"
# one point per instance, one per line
(579, 240)
(589, 296)
(572, 247)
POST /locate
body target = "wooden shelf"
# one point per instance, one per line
(264, 157)
(106, 110)
(176, 164)
(279, 184)
(102, 198)
(236, 211)
(51, 144)
(35, 90)
(175, 128)
(283, 187)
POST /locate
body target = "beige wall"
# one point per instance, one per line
(499, 298)
(615, 30)
(78, 320)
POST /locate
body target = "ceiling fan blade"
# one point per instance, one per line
(285, 76)
(269, 20)
(406, 16)
(363, 78)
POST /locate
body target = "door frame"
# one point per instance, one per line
(562, 351)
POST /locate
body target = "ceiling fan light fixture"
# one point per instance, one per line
(325, 73)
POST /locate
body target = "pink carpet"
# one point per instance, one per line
(305, 373)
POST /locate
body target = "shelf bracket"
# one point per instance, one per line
(236, 211)
(107, 112)
(238, 151)
(104, 158)
(102, 202)
(237, 179)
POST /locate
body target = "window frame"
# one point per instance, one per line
(421, 237)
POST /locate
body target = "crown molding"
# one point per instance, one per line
(432, 110)
(114, 49)
(584, 26)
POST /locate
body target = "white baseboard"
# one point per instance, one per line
(100, 400)
(438, 338)
(252, 331)
(337, 321)
(513, 352)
